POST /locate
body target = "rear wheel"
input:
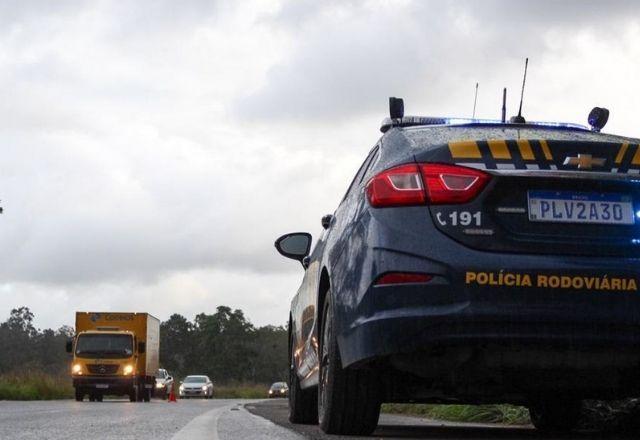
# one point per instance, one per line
(79, 395)
(99, 397)
(303, 404)
(555, 415)
(146, 393)
(348, 399)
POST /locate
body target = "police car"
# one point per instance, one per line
(472, 262)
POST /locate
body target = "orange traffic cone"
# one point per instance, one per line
(172, 395)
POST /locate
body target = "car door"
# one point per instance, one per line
(304, 306)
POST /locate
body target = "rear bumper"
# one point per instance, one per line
(480, 350)
(477, 297)
(416, 328)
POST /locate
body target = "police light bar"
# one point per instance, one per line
(416, 121)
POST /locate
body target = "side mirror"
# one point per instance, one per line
(142, 347)
(69, 345)
(169, 378)
(295, 245)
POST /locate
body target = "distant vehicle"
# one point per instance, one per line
(196, 386)
(472, 261)
(279, 389)
(164, 383)
(115, 354)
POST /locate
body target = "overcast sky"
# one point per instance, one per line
(154, 150)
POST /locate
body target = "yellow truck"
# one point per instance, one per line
(114, 354)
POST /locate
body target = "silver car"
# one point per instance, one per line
(196, 386)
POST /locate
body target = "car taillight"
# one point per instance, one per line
(426, 183)
(451, 184)
(398, 186)
(402, 278)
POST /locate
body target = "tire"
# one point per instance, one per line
(132, 394)
(303, 404)
(146, 393)
(99, 397)
(348, 399)
(92, 397)
(555, 415)
(139, 392)
(79, 395)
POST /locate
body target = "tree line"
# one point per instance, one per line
(223, 345)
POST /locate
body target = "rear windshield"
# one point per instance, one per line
(113, 346)
(428, 136)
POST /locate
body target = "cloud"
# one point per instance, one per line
(359, 53)
(152, 153)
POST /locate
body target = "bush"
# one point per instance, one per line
(505, 414)
(34, 386)
(240, 391)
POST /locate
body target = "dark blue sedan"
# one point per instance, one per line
(472, 262)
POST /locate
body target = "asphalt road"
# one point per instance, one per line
(402, 427)
(157, 420)
(219, 420)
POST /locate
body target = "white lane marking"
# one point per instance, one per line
(244, 425)
(204, 426)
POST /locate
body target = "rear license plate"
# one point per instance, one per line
(102, 386)
(575, 207)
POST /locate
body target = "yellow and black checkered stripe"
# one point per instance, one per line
(524, 154)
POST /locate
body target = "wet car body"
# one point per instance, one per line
(498, 296)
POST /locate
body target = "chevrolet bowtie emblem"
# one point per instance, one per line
(584, 161)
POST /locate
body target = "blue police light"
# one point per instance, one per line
(635, 241)
(415, 121)
(637, 214)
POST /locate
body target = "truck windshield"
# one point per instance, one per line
(111, 346)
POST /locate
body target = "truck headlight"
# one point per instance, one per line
(159, 385)
(76, 369)
(127, 370)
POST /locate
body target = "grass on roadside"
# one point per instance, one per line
(34, 386)
(240, 391)
(505, 414)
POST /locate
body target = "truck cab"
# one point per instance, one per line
(115, 354)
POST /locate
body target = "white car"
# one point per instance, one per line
(196, 386)
(164, 383)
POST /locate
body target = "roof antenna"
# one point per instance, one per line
(519, 119)
(475, 100)
(504, 105)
